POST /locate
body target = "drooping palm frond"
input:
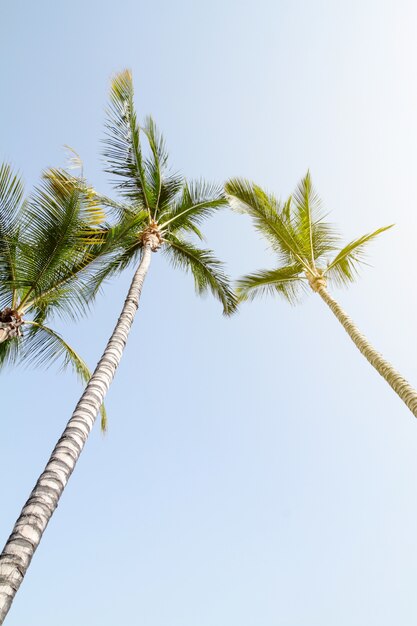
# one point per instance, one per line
(207, 270)
(285, 281)
(344, 268)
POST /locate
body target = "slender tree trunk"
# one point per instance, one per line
(401, 387)
(38, 510)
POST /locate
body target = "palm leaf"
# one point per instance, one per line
(60, 243)
(206, 269)
(198, 200)
(53, 234)
(11, 200)
(345, 266)
(269, 217)
(285, 281)
(10, 352)
(316, 236)
(123, 152)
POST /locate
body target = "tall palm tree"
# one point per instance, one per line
(308, 252)
(159, 211)
(49, 245)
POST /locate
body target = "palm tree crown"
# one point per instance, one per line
(309, 255)
(306, 244)
(50, 246)
(157, 207)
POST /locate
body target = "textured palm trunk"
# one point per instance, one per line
(38, 510)
(401, 387)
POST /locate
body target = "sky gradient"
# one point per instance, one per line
(256, 471)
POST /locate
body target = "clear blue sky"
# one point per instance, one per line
(257, 471)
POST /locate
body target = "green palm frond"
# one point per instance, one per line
(10, 352)
(53, 235)
(316, 236)
(60, 245)
(269, 217)
(198, 200)
(122, 248)
(174, 207)
(11, 201)
(345, 266)
(154, 166)
(77, 282)
(325, 239)
(163, 188)
(207, 270)
(123, 153)
(42, 347)
(306, 203)
(62, 185)
(285, 281)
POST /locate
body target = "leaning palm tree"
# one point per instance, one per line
(158, 210)
(49, 245)
(309, 255)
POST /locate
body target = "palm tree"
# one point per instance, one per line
(308, 256)
(159, 211)
(49, 245)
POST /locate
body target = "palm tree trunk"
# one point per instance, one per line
(38, 510)
(401, 387)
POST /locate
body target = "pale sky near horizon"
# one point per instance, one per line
(257, 471)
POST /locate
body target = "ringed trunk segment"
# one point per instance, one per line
(401, 386)
(38, 510)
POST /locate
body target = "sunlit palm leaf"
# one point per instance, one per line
(316, 236)
(267, 214)
(345, 266)
(285, 281)
(198, 200)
